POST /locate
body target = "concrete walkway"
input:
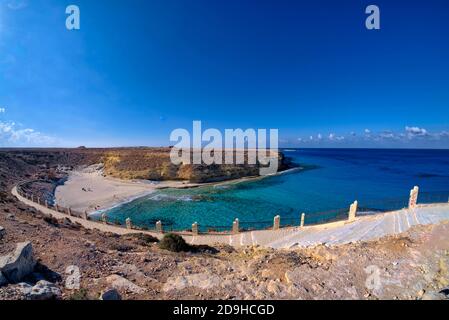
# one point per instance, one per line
(363, 228)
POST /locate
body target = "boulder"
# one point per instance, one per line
(3, 280)
(110, 294)
(433, 296)
(24, 288)
(123, 284)
(203, 281)
(19, 264)
(44, 290)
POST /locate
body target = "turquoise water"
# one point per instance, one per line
(378, 179)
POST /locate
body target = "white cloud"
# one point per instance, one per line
(12, 134)
(386, 134)
(410, 137)
(16, 4)
(415, 132)
(333, 137)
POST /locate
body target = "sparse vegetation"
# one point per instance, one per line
(81, 294)
(142, 238)
(173, 242)
(51, 220)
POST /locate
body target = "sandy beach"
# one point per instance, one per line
(87, 189)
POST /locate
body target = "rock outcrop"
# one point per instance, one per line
(42, 290)
(110, 294)
(3, 280)
(155, 164)
(17, 265)
(123, 284)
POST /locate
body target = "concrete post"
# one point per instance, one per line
(353, 211)
(46, 203)
(413, 200)
(84, 214)
(195, 228)
(104, 218)
(236, 226)
(159, 226)
(38, 201)
(32, 198)
(129, 224)
(57, 207)
(277, 222)
(69, 211)
(303, 217)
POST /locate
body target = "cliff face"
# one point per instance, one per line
(155, 164)
(126, 163)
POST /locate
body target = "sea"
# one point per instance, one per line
(323, 186)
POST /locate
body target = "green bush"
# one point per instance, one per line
(173, 242)
(142, 238)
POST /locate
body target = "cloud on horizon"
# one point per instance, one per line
(13, 135)
(412, 136)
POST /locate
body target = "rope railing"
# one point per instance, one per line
(312, 218)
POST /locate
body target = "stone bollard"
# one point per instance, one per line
(129, 224)
(353, 211)
(84, 215)
(69, 211)
(104, 218)
(236, 226)
(303, 217)
(159, 226)
(413, 200)
(31, 198)
(277, 222)
(38, 201)
(195, 228)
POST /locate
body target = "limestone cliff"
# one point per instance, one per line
(155, 164)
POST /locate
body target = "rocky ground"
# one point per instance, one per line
(413, 265)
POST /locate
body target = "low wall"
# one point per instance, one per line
(236, 226)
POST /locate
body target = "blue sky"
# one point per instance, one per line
(136, 70)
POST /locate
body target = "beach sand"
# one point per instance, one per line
(88, 190)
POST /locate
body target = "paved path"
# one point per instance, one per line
(363, 228)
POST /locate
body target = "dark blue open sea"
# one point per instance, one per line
(378, 179)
